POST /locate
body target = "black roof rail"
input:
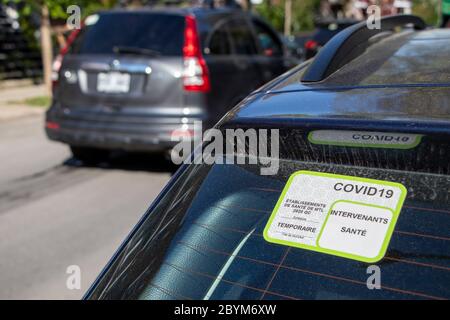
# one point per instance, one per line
(350, 43)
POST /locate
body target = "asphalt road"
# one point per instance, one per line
(55, 212)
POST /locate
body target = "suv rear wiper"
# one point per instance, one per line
(136, 50)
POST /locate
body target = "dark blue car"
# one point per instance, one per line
(372, 112)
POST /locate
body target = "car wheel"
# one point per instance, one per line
(89, 155)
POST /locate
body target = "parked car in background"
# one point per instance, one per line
(381, 112)
(295, 47)
(130, 78)
(325, 30)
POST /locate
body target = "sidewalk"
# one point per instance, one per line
(9, 111)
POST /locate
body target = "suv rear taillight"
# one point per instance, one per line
(56, 66)
(195, 73)
(311, 45)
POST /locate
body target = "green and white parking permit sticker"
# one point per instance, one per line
(365, 139)
(346, 216)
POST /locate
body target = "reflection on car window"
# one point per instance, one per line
(219, 43)
(270, 45)
(242, 37)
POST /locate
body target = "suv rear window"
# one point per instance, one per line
(141, 30)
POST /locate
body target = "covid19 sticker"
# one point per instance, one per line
(346, 216)
(365, 139)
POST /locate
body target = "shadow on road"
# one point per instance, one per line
(129, 162)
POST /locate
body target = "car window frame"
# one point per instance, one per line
(222, 23)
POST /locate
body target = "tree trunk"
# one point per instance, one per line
(46, 47)
(287, 17)
(247, 5)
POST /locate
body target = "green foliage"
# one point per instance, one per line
(427, 10)
(30, 10)
(303, 13)
(39, 101)
(273, 14)
(57, 8)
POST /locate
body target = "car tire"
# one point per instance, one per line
(89, 155)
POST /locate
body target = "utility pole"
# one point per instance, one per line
(287, 17)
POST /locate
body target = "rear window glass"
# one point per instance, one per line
(204, 241)
(403, 58)
(158, 32)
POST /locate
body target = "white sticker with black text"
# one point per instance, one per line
(347, 216)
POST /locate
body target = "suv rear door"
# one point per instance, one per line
(230, 52)
(124, 60)
(270, 57)
(244, 52)
(222, 68)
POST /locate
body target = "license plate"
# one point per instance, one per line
(114, 82)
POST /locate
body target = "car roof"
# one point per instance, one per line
(401, 77)
(206, 17)
(173, 10)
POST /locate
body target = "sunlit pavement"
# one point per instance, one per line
(11, 101)
(54, 212)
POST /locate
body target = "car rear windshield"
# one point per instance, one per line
(204, 240)
(162, 33)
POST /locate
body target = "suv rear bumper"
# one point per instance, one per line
(149, 133)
